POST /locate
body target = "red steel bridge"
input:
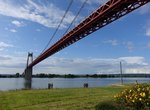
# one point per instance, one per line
(104, 15)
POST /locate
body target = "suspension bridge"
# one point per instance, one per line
(104, 15)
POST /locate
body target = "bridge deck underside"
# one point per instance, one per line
(111, 11)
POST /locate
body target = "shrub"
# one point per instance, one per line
(105, 106)
(109, 105)
(137, 96)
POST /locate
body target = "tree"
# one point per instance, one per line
(17, 75)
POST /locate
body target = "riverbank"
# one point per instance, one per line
(57, 99)
(44, 75)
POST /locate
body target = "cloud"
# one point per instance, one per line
(73, 66)
(129, 45)
(145, 69)
(92, 5)
(91, 2)
(92, 65)
(47, 15)
(57, 65)
(112, 42)
(13, 30)
(4, 58)
(133, 60)
(17, 23)
(4, 45)
(12, 64)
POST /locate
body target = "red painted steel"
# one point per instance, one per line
(109, 12)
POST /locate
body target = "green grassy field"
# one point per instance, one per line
(57, 99)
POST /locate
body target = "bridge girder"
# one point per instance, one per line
(104, 15)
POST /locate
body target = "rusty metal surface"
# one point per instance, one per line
(109, 12)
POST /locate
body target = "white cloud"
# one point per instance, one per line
(13, 30)
(147, 33)
(11, 61)
(134, 60)
(12, 64)
(112, 42)
(17, 23)
(57, 65)
(95, 1)
(145, 69)
(47, 15)
(4, 58)
(129, 45)
(92, 65)
(4, 45)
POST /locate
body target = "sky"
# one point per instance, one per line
(28, 25)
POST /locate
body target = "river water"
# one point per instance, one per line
(42, 83)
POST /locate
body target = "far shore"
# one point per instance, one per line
(44, 75)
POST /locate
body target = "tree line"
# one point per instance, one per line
(44, 75)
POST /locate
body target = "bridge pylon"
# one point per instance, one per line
(28, 70)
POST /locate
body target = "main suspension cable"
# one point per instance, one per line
(82, 6)
(58, 26)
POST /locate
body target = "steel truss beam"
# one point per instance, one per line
(104, 15)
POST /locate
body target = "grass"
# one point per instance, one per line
(57, 99)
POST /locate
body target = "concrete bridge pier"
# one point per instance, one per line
(28, 73)
(28, 78)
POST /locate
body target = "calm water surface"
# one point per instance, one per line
(42, 83)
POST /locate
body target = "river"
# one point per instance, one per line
(42, 83)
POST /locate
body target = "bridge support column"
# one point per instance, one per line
(28, 78)
(28, 73)
(28, 70)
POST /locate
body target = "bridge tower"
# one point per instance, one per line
(28, 70)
